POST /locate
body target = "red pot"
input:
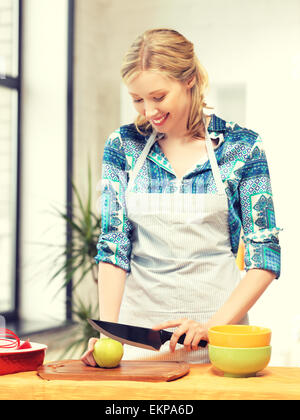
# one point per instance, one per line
(12, 360)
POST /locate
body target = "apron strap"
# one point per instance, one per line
(141, 160)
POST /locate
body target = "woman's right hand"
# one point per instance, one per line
(88, 357)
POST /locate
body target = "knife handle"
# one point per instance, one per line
(166, 335)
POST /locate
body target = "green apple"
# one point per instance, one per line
(108, 352)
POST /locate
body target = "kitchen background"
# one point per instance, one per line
(252, 54)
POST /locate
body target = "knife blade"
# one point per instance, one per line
(136, 336)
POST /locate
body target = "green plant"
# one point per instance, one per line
(77, 256)
(76, 261)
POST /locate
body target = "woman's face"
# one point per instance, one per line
(163, 101)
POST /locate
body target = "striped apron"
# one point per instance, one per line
(182, 265)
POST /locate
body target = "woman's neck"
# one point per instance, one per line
(183, 139)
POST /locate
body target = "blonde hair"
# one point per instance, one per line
(167, 51)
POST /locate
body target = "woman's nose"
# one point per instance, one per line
(150, 111)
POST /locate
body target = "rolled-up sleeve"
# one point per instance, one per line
(114, 245)
(262, 248)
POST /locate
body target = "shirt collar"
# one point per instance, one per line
(216, 125)
(216, 128)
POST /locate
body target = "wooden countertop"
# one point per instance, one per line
(201, 383)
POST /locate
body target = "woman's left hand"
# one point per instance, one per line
(193, 330)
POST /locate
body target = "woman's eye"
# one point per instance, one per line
(155, 99)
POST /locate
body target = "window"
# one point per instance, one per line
(47, 120)
(10, 19)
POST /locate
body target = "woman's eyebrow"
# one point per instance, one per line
(155, 91)
(150, 93)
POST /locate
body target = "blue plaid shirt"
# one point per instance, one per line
(244, 171)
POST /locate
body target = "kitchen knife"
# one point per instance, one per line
(136, 336)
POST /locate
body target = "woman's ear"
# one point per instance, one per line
(191, 82)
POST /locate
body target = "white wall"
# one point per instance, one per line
(43, 154)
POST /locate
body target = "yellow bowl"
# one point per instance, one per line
(239, 362)
(239, 336)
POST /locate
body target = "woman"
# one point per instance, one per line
(178, 187)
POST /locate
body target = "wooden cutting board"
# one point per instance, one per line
(128, 370)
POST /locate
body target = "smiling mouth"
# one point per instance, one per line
(161, 120)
